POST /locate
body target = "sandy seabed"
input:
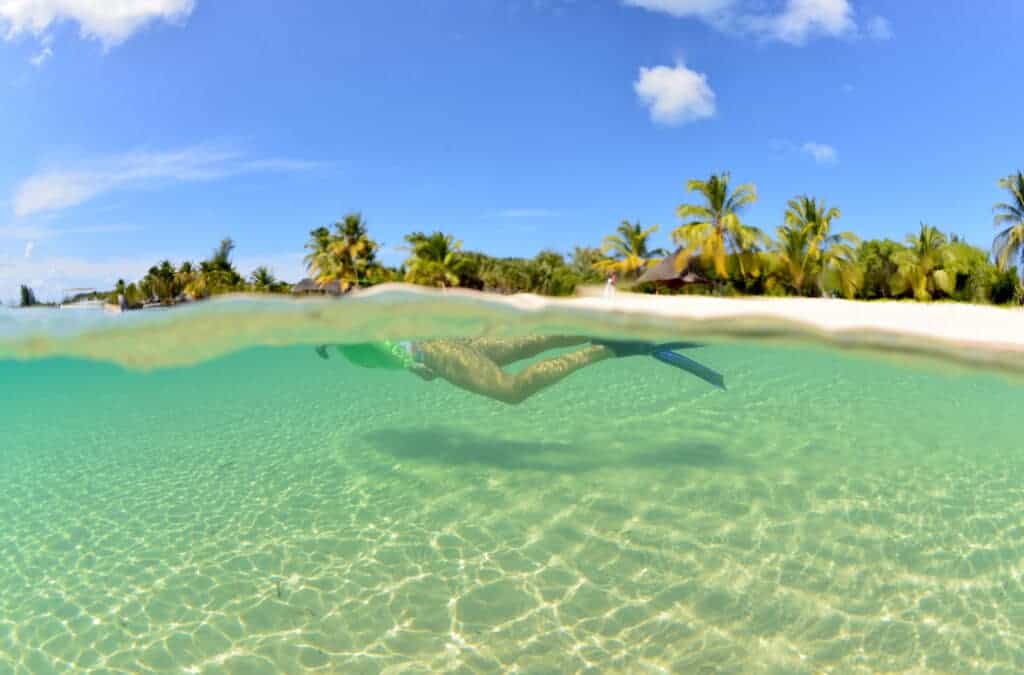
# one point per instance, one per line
(268, 511)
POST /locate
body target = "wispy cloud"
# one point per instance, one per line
(109, 21)
(44, 53)
(41, 232)
(878, 28)
(49, 276)
(675, 94)
(704, 9)
(821, 153)
(64, 186)
(796, 22)
(41, 57)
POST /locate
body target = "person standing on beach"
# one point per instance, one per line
(609, 287)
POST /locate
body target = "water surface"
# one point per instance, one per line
(267, 511)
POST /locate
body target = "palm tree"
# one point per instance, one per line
(433, 261)
(353, 249)
(347, 255)
(263, 280)
(185, 276)
(793, 253)
(318, 260)
(1010, 242)
(714, 227)
(221, 258)
(811, 252)
(216, 274)
(162, 280)
(920, 268)
(585, 263)
(629, 248)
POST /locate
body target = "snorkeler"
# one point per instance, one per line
(476, 364)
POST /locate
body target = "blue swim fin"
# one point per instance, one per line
(677, 345)
(690, 366)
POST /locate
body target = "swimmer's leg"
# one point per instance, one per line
(469, 368)
(504, 351)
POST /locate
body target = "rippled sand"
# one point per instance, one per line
(269, 512)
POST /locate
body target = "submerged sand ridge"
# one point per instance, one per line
(974, 335)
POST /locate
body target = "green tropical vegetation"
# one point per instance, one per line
(345, 255)
(1009, 243)
(434, 259)
(629, 250)
(714, 231)
(808, 256)
(28, 297)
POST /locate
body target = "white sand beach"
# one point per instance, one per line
(960, 324)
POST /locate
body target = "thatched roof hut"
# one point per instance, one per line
(669, 273)
(308, 286)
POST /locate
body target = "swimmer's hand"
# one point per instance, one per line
(422, 371)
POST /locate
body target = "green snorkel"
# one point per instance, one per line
(386, 355)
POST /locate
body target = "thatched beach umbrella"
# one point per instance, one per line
(306, 286)
(309, 286)
(332, 288)
(669, 273)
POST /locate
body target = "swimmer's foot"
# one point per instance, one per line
(627, 347)
(321, 351)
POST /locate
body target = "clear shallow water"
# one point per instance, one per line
(266, 511)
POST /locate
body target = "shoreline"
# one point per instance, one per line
(976, 336)
(958, 324)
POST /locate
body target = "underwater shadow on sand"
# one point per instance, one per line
(454, 447)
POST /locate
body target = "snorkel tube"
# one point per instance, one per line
(385, 355)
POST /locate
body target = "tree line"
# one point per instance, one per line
(807, 256)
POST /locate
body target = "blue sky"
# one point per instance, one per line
(516, 125)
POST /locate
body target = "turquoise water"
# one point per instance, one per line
(263, 510)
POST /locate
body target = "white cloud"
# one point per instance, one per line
(61, 187)
(802, 19)
(109, 21)
(676, 94)
(821, 153)
(878, 28)
(792, 21)
(681, 8)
